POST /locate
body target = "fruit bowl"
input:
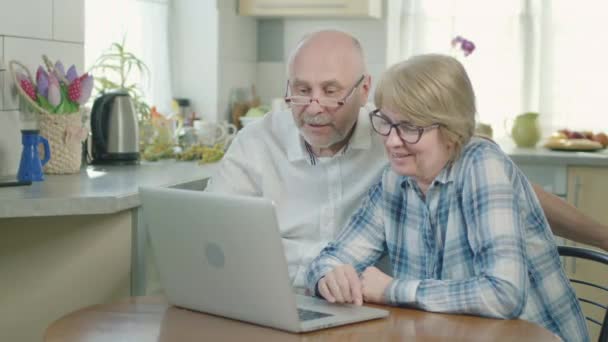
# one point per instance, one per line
(573, 145)
(568, 140)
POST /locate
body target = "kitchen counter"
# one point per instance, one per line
(76, 240)
(541, 155)
(109, 189)
(99, 189)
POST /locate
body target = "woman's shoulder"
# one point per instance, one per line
(478, 149)
(483, 157)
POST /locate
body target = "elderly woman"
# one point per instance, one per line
(460, 222)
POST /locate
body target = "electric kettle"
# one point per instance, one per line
(114, 130)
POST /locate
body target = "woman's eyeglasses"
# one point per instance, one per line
(408, 132)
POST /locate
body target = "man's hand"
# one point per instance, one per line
(341, 285)
(374, 283)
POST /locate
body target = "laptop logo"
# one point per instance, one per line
(214, 254)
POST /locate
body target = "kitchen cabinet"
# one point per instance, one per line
(587, 190)
(312, 8)
(76, 240)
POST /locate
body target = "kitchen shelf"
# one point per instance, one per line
(311, 8)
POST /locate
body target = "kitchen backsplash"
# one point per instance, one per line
(58, 32)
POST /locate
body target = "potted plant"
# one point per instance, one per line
(115, 70)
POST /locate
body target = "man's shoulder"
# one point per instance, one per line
(272, 127)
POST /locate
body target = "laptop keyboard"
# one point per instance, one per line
(307, 315)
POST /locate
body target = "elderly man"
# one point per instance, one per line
(317, 160)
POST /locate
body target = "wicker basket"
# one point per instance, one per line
(65, 132)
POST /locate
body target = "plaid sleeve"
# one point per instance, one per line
(360, 243)
(494, 228)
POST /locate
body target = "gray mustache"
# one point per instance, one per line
(317, 119)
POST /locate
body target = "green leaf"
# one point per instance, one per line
(44, 103)
(65, 106)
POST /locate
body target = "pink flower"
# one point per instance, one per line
(26, 84)
(54, 91)
(80, 89)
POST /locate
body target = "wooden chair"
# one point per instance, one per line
(588, 254)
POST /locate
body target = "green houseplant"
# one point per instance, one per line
(115, 70)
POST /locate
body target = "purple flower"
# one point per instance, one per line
(54, 91)
(468, 47)
(59, 69)
(72, 74)
(42, 82)
(457, 40)
(86, 86)
(463, 44)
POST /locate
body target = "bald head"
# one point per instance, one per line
(328, 49)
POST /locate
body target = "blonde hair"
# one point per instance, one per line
(429, 89)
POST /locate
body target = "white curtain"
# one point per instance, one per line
(546, 56)
(144, 25)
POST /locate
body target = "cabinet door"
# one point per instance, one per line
(587, 190)
(311, 8)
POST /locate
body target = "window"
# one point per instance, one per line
(144, 26)
(535, 55)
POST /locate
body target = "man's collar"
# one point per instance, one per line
(360, 139)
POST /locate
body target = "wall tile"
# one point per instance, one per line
(237, 35)
(10, 142)
(68, 20)
(370, 32)
(29, 52)
(3, 72)
(271, 78)
(233, 75)
(26, 18)
(270, 40)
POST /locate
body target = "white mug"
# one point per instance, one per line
(211, 133)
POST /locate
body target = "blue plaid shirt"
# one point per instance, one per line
(478, 243)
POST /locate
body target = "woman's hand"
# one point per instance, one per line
(374, 282)
(341, 285)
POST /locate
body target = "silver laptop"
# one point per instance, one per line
(223, 255)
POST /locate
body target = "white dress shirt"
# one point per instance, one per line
(268, 158)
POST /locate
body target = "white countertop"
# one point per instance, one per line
(110, 189)
(97, 189)
(541, 155)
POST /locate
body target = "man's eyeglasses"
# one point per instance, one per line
(408, 132)
(326, 102)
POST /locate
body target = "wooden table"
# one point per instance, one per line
(152, 319)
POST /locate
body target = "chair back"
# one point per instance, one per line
(595, 256)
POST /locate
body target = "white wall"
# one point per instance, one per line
(213, 50)
(271, 76)
(194, 53)
(28, 29)
(237, 54)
